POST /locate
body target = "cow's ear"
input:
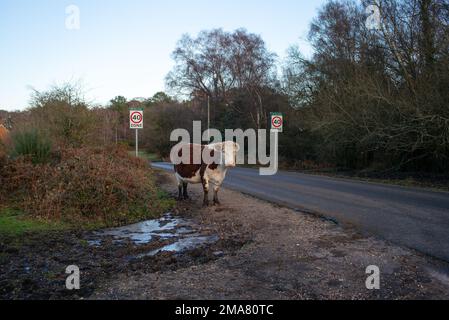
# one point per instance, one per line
(237, 147)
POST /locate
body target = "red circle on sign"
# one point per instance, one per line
(273, 122)
(141, 118)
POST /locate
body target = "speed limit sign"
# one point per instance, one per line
(136, 119)
(277, 122)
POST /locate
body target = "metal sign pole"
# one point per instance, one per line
(137, 143)
(208, 119)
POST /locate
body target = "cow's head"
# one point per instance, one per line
(228, 151)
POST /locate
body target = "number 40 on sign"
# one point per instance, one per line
(136, 119)
(277, 122)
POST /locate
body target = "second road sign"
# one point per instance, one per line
(277, 122)
(136, 119)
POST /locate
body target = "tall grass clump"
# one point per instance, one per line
(31, 144)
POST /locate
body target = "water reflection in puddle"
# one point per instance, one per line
(181, 231)
(183, 245)
(144, 232)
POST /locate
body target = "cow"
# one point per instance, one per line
(208, 171)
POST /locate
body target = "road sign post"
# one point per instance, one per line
(136, 123)
(276, 126)
(137, 143)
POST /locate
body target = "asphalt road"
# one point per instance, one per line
(412, 217)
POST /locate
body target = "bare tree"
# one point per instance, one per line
(377, 97)
(216, 63)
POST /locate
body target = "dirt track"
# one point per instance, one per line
(260, 251)
(412, 217)
(269, 252)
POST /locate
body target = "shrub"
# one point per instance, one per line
(3, 160)
(31, 144)
(4, 133)
(104, 186)
(2, 153)
(64, 115)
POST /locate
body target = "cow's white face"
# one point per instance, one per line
(230, 150)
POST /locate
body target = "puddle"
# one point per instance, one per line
(144, 232)
(183, 245)
(183, 234)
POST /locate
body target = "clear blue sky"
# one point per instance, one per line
(123, 47)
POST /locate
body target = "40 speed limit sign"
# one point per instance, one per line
(277, 122)
(136, 119)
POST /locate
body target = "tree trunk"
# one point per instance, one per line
(427, 35)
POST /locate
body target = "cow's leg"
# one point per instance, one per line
(180, 183)
(216, 201)
(180, 191)
(184, 193)
(206, 192)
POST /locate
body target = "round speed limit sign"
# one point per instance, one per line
(136, 119)
(277, 122)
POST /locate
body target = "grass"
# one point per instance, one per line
(33, 144)
(15, 223)
(429, 184)
(166, 202)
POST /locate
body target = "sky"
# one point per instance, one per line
(123, 47)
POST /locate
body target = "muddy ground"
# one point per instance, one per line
(262, 251)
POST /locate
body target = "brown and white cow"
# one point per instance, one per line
(209, 171)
